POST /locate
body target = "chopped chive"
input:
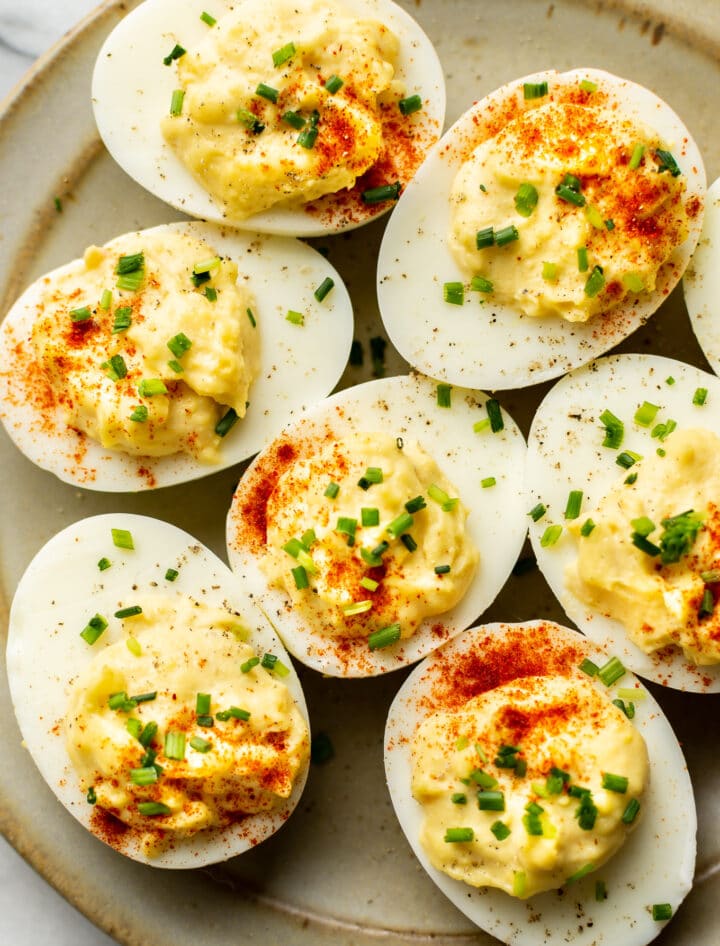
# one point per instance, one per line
(153, 809)
(346, 525)
(610, 224)
(176, 102)
(594, 217)
(588, 667)
(570, 195)
(636, 157)
(376, 195)
(537, 512)
(587, 528)
(458, 798)
(627, 458)
(534, 90)
(413, 103)
(253, 124)
(91, 796)
(500, 830)
(199, 744)
(80, 315)
(707, 605)
(373, 474)
(205, 721)
(122, 539)
(670, 380)
(480, 284)
(115, 368)
(600, 891)
(369, 584)
(147, 775)
(105, 299)
(587, 86)
(144, 697)
(666, 162)
(174, 745)
(251, 317)
(643, 525)
(148, 734)
(610, 672)
(415, 505)
(526, 199)
(294, 119)
(226, 422)
(357, 607)
(700, 396)
(615, 783)
(245, 668)
(627, 708)
(58, 204)
(646, 413)
(661, 911)
(506, 235)
(454, 293)
(122, 319)
(710, 577)
(104, 564)
(459, 835)
(307, 137)
(442, 569)
(324, 288)
(120, 701)
(582, 258)
(130, 612)
(297, 318)
(631, 810)
(171, 574)
(491, 801)
(202, 703)
(282, 55)
(176, 366)
(579, 874)
(550, 536)
(487, 482)
(384, 637)
(644, 544)
(369, 516)
(595, 282)
(334, 84)
(267, 92)
(131, 282)
(549, 271)
(519, 883)
(444, 395)
(150, 387)
(179, 344)
(484, 238)
(175, 53)
(492, 406)
(614, 430)
(139, 414)
(574, 503)
(408, 541)
(208, 18)
(400, 524)
(331, 490)
(300, 576)
(93, 629)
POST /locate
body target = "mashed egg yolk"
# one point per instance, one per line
(282, 103)
(147, 345)
(528, 785)
(367, 536)
(568, 210)
(652, 562)
(180, 727)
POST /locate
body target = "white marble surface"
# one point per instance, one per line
(31, 912)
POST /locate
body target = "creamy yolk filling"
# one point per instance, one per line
(569, 210)
(368, 538)
(180, 726)
(281, 103)
(652, 560)
(529, 785)
(144, 354)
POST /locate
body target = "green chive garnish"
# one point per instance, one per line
(94, 628)
(153, 809)
(582, 258)
(537, 512)
(666, 162)
(267, 92)
(646, 413)
(506, 235)
(588, 667)
(384, 637)
(175, 53)
(376, 195)
(307, 137)
(595, 282)
(415, 505)
(550, 536)
(587, 528)
(104, 563)
(105, 299)
(223, 426)
(487, 482)
(413, 103)
(334, 84)
(297, 318)
(526, 199)
(574, 503)
(491, 801)
(122, 319)
(631, 810)
(661, 911)
(480, 284)
(294, 119)
(484, 238)
(300, 576)
(570, 195)
(176, 102)
(700, 396)
(587, 86)
(80, 315)
(615, 783)
(122, 539)
(331, 490)
(400, 524)
(458, 798)
(324, 288)
(459, 835)
(534, 90)
(579, 874)
(610, 672)
(636, 157)
(179, 344)
(492, 406)
(408, 541)
(454, 293)
(369, 516)
(549, 271)
(147, 775)
(250, 121)
(614, 430)
(627, 458)
(444, 395)
(208, 18)
(150, 387)
(139, 414)
(281, 56)
(130, 612)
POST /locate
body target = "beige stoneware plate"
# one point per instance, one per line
(340, 872)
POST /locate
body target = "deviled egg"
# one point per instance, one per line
(622, 496)
(154, 697)
(382, 523)
(497, 755)
(548, 224)
(271, 115)
(169, 353)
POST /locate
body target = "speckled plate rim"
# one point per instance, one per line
(696, 22)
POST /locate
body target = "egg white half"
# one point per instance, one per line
(656, 863)
(61, 589)
(299, 365)
(494, 346)
(565, 452)
(701, 282)
(131, 91)
(403, 406)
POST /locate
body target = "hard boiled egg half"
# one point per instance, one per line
(435, 455)
(75, 638)
(451, 326)
(301, 324)
(598, 433)
(614, 903)
(133, 90)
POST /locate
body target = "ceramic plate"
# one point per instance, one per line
(340, 872)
